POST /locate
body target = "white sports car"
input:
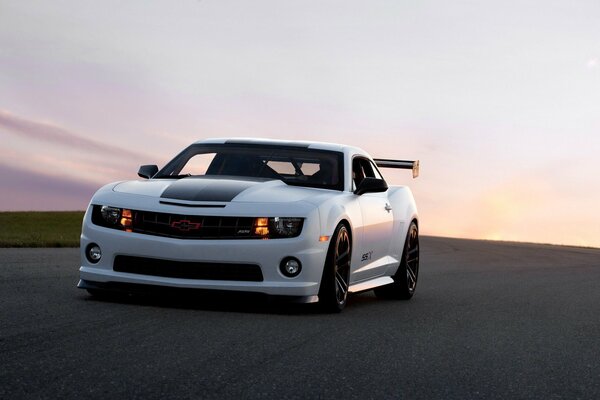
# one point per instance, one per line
(311, 221)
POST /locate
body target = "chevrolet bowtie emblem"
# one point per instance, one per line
(185, 225)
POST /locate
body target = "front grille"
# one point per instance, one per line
(182, 226)
(192, 226)
(188, 269)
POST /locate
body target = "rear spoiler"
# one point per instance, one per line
(401, 164)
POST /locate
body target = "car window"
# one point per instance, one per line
(363, 168)
(376, 173)
(198, 164)
(294, 166)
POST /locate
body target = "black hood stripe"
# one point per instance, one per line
(198, 189)
(174, 203)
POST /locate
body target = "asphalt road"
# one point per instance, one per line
(489, 320)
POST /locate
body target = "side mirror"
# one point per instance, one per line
(371, 185)
(147, 171)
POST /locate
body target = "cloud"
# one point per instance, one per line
(29, 190)
(47, 132)
(593, 63)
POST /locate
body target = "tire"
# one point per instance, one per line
(333, 292)
(405, 278)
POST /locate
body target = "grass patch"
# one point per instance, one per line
(40, 228)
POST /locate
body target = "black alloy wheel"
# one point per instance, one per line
(405, 279)
(411, 258)
(333, 293)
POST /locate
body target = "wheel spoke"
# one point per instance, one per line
(339, 280)
(412, 258)
(411, 275)
(340, 257)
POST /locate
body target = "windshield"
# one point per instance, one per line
(293, 165)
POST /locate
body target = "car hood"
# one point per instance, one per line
(221, 189)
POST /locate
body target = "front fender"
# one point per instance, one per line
(343, 207)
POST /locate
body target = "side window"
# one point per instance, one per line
(376, 173)
(363, 168)
(358, 173)
(368, 168)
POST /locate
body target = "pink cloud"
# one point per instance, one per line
(31, 190)
(47, 132)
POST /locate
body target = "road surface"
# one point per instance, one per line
(489, 320)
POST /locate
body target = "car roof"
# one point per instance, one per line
(291, 143)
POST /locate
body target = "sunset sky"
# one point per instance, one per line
(500, 100)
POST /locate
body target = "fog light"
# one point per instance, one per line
(290, 267)
(93, 253)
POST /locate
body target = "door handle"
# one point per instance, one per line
(387, 207)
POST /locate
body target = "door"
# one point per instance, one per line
(372, 255)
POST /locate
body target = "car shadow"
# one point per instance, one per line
(256, 303)
(235, 302)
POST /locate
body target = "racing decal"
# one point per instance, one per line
(197, 189)
(367, 256)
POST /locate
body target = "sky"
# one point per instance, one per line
(499, 100)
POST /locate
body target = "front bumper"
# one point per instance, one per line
(267, 254)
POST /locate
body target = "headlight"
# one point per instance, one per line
(286, 227)
(277, 227)
(113, 217)
(110, 214)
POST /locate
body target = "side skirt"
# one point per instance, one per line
(370, 284)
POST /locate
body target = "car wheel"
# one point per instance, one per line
(333, 293)
(405, 279)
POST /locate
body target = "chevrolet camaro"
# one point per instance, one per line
(307, 220)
